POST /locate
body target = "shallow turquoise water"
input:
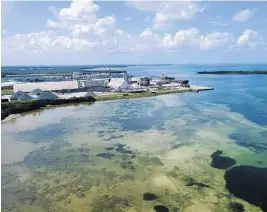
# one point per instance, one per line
(52, 160)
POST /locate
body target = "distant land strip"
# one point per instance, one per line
(233, 72)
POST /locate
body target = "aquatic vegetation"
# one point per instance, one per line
(152, 161)
(160, 208)
(111, 137)
(44, 134)
(109, 203)
(127, 165)
(56, 157)
(120, 148)
(191, 182)
(109, 148)
(236, 207)
(245, 140)
(108, 158)
(248, 183)
(221, 162)
(105, 155)
(83, 150)
(149, 196)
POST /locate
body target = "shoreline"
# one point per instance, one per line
(11, 110)
(23, 107)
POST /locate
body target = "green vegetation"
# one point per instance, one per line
(116, 96)
(15, 107)
(232, 72)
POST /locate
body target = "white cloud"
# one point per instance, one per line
(146, 33)
(248, 38)
(80, 19)
(38, 42)
(175, 11)
(181, 37)
(243, 15)
(79, 10)
(193, 38)
(83, 30)
(128, 18)
(215, 40)
(166, 12)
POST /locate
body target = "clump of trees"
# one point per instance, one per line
(15, 107)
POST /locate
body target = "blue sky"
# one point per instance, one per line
(86, 32)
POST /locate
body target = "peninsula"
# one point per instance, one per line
(28, 92)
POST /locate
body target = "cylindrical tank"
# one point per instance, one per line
(145, 81)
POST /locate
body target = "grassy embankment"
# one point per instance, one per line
(15, 107)
(140, 95)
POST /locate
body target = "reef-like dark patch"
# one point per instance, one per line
(160, 208)
(248, 183)
(150, 161)
(115, 137)
(109, 203)
(109, 148)
(149, 196)
(127, 165)
(245, 141)
(192, 182)
(83, 150)
(105, 155)
(43, 134)
(221, 162)
(120, 148)
(236, 207)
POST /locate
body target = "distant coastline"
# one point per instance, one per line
(233, 72)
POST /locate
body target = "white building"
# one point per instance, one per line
(45, 86)
(118, 83)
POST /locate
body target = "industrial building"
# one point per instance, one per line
(46, 86)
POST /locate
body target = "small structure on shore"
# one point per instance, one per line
(144, 81)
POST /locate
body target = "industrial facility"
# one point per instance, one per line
(78, 84)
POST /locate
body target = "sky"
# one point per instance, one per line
(133, 32)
